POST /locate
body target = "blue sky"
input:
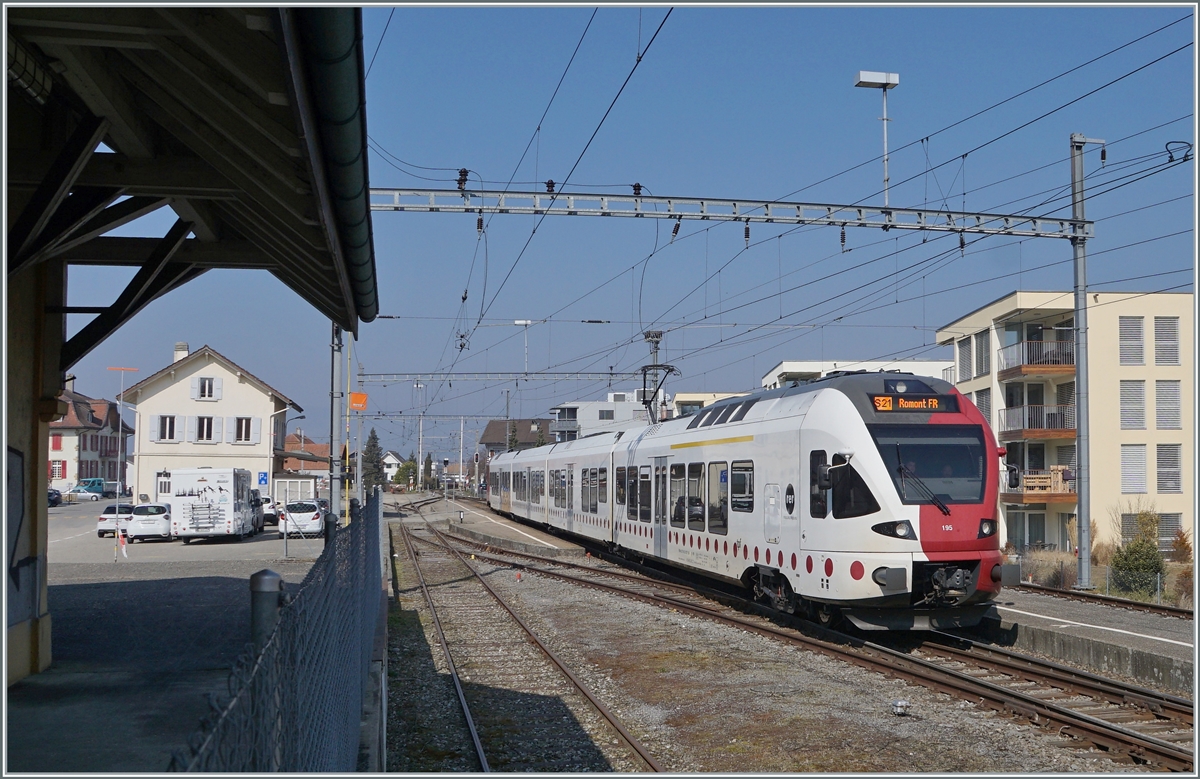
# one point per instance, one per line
(754, 103)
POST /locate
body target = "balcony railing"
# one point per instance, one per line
(1057, 480)
(948, 374)
(564, 426)
(1037, 418)
(1036, 353)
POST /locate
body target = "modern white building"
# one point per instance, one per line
(203, 409)
(1016, 361)
(618, 411)
(806, 370)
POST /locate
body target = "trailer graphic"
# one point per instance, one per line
(208, 502)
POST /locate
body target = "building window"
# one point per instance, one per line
(983, 401)
(606, 414)
(1168, 526)
(1129, 528)
(206, 388)
(243, 430)
(1167, 405)
(1133, 468)
(57, 469)
(964, 359)
(204, 429)
(1132, 347)
(1170, 469)
(56, 442)
(95, 443)
(983, 355)
(1133, 405)
(166, 428)
(164, 487)
(1166, 340)
(618, 397)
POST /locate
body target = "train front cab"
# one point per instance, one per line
(898, 526)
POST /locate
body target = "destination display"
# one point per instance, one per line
(917, 403)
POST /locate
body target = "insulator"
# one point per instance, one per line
(962, 243)
(747, 232)
(464, 296)
(479, 225)
(675, 230)
(637, 190)
(550, 186)
(462, 178)
(1103, 154)
(843, 237)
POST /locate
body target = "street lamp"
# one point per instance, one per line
(883, 81)
(121, 429)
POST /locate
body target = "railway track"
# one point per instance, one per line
(1143, 725)
(524, 708)
(1108, 600)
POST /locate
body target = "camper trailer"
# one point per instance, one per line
(208, 502)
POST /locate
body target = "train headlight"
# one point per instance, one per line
(901, 529)
(987, 527)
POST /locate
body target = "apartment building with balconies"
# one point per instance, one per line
(618, 411)
(1015, 358)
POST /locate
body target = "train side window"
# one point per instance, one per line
(710, 416)
(603, 485)
(726, 412)
(678, 495)
(570, 498)
(585, 489)
(644, 494)
(619, 484)
(851, 495)
(741, 488)
(742, 409)
(632, 492)
(695, 497)
(594, 479)
(718, 498)
(818, 499)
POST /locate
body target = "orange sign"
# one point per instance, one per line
(883, 402)
(358, 401)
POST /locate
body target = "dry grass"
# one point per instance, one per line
(1050, 569)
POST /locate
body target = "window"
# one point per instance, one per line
(1170, 469)
(741, 489)
(166, 428)
(644, 494)
(1168, 526)
(1064, 393)
(818, 499)
(206, 388)
(56, 442)
(983, 354)
(1167, 405)
(593, 491)
(243, 430)
(1129, 527)
(603, 485)
(164, 486)
(695, 496)
(964, 359)
(606, 414)
(1133, 468)
(679, 504)
(947, 460)
(983, 401)
(718, 498)
(619, 484)
(851, 496)
(1131, 337)
(57, 469)
(1133, 405)
(618, 397)
(95, 443)
(1166, 340)
(204, 429)
(631, 492)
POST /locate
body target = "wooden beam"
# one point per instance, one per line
(235, 48)
(114, 251)
(183, 177)
(206, 223)
(54, 186)
(83, 204)
(110, 219)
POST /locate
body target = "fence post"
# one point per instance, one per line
(266, 590)
(1160, 589)
(330, 528)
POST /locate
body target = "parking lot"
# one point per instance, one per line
(72, 539)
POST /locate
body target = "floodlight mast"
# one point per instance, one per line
(883, 81)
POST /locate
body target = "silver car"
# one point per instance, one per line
(111, 519)
(148, 520)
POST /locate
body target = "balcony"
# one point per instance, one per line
(564, 426)
(1021, 423)
(1044, 359)
(1042, 486)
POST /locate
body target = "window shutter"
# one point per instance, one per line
(1167, 405)
(191, 431)
(216, 429)
(1170, 469)
(154, 423)
(255, 430)
(1133, 405)
(195, 388)
(1133, 468)
(1166, 340)
(964, 359)
(49, 469)
(983, 354)
(1065, 394)
(1132, 341)
(217, 389)
(56, 442)
(230, 429)
(1065, 455)
(983, 401)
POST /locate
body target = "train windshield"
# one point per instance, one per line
(927, 461)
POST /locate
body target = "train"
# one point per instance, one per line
(869, 497)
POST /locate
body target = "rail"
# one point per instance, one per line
(1036, 353)
(1037, 418)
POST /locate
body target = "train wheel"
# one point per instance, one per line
(825, 615)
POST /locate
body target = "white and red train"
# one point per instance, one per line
(872, 495)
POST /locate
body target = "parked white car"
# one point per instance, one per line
(148, 520)
(112, 518)
(302, 516)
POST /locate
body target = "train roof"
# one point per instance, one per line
(848, 382)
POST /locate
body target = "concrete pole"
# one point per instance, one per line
(461, 423)
(885, 150)
(1083, 514)
(421, 453)
(335, 428)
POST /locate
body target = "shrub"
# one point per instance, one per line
(1181, 547)
(1184, 586)
(1137, 566)
(1103, 552)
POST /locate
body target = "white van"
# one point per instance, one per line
(209, 502)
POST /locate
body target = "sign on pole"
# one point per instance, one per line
(358, 401)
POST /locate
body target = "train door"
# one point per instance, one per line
(659, 528)
(771, 513)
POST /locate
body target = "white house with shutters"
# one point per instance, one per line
(204, 410)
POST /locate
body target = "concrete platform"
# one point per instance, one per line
(1150, 649)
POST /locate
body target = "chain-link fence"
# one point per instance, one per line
(296, 705)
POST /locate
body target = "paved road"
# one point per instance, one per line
(72, 539)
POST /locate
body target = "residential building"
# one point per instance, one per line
(788, 371)
(391, 463)
(618, 411)
(688, 403)
(528, 433)
(1015, 358)
(86, 442)
(205, 410)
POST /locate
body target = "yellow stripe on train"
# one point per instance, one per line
(741, 439)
